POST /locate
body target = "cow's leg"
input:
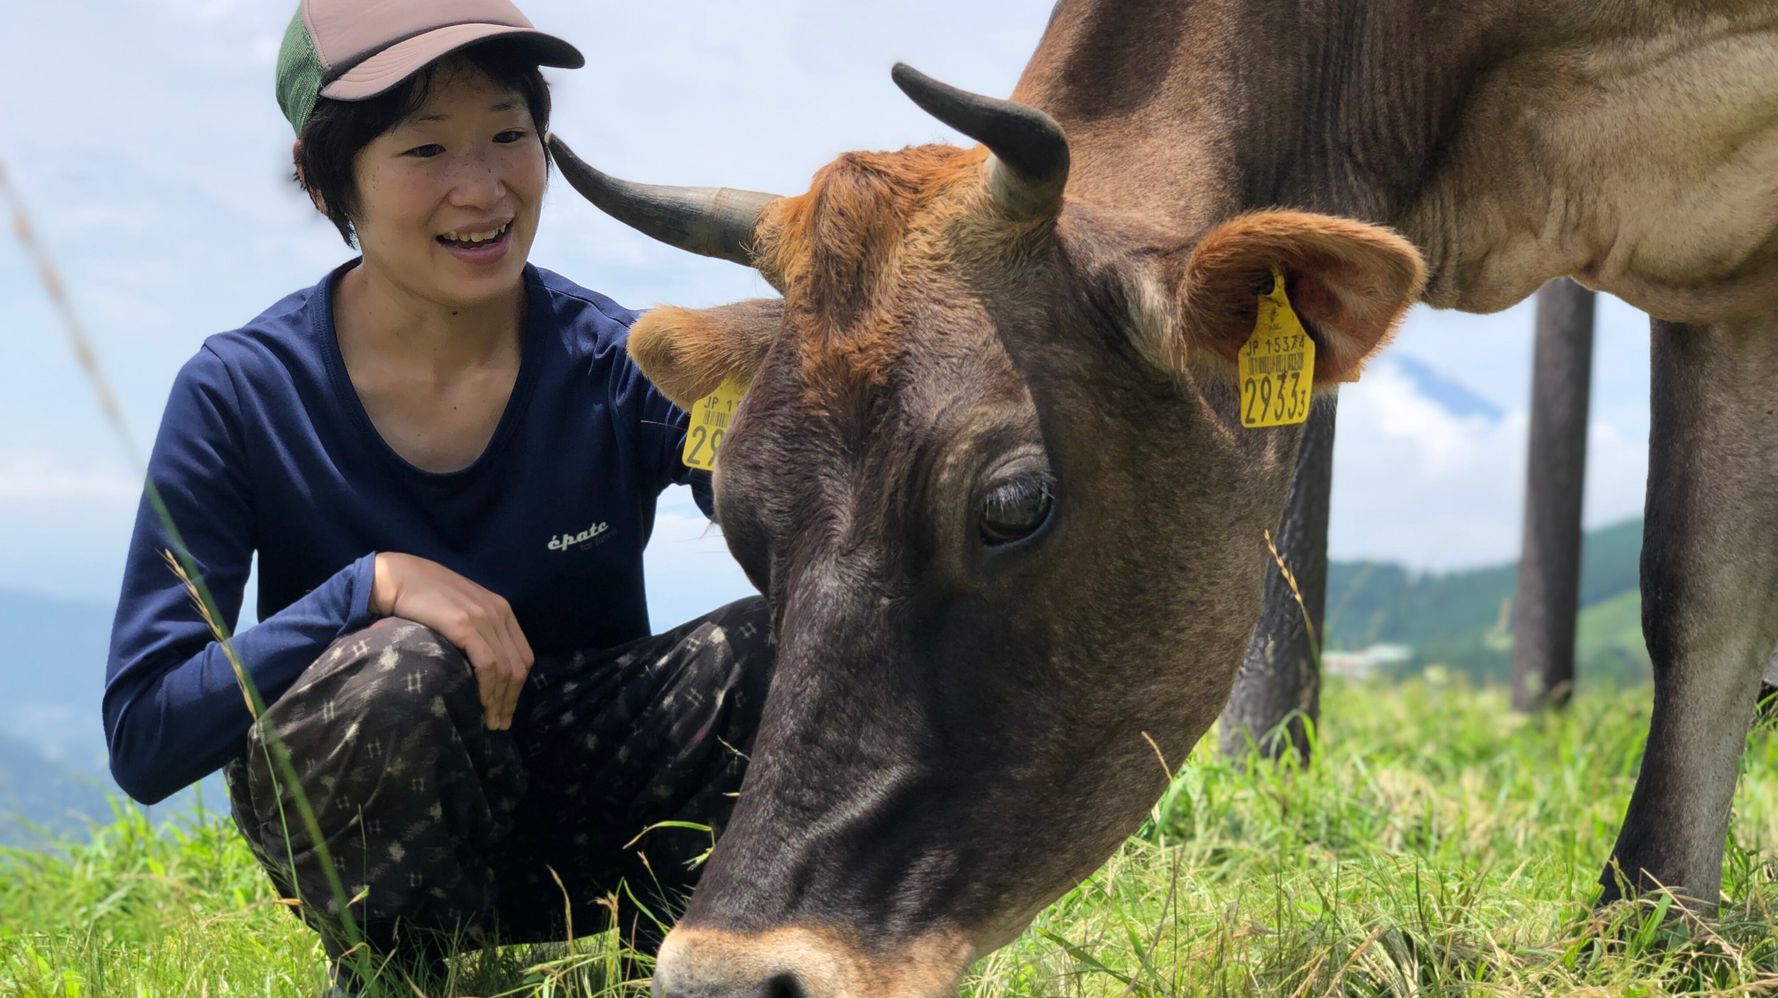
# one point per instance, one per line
(1709, 595)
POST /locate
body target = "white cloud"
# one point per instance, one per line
(1414, 484)
(40, 478)
(1443, 444)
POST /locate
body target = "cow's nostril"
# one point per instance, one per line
(785, 986)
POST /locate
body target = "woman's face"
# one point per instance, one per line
(448, 199)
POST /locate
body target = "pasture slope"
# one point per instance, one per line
(1440, 845)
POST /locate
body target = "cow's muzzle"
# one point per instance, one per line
(699, 962)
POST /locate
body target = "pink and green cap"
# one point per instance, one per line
(357, 49)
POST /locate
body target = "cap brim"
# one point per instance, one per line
(389, 67)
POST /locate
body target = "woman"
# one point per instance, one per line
(447, 467)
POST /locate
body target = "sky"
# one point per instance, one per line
(144, 137)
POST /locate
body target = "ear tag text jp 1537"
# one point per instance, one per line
(710, 419)
(1277, 363)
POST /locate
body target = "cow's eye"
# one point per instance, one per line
(1014, 509)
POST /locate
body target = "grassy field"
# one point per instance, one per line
(1440, 845)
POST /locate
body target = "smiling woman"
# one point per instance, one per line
(335, 131)
(472, 705)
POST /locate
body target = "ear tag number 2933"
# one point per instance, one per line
(1277, 363)
(710, 418)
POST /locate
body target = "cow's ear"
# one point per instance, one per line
(688, 352)
(1349, 283)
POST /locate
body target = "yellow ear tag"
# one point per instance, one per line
(710, 418)
(1277, 363)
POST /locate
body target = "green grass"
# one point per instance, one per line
(1608, 639)
(1440, 845)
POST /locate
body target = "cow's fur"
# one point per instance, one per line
(1629, 143)
(957, 734)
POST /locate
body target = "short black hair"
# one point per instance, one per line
(338, 130)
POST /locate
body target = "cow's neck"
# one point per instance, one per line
(1193, 111)
(1490, 132)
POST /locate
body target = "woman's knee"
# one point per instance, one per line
(396, 644)
(743, 629)
(396, 665)
(386, 724)
(394, 676)
(749, 611)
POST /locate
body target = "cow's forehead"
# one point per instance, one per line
(859, 212)
(881, 246)
(868, 402)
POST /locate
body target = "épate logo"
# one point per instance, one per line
(562, 542)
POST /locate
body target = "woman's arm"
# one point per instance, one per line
(173, 708)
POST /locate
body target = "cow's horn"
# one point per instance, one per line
(1030, 164)
(713, 221)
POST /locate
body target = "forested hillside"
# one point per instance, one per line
(39, 797)
(1464, 619)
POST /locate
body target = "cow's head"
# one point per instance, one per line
(990, 474)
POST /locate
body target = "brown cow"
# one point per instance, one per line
(990, 471)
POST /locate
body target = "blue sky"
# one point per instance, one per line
(145, 138)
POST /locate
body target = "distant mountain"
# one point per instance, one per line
(53, 763)
(54, 675)
(52, 745)
(1443, 390)
(39, 797)
(1464, 619)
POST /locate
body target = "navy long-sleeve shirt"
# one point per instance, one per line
(265, 448)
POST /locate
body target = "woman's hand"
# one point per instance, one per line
(474, 619)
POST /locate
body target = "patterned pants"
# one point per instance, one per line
(434, 823)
